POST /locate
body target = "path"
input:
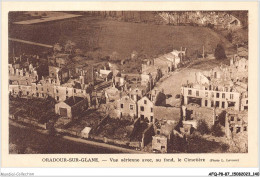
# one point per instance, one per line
(31, 43)
(47, 19)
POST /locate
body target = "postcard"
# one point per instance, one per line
(129, 84)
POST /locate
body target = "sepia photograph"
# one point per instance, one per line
(112, 82)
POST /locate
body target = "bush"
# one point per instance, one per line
(210, 25)
(216, 130)
(220, 52)
(229, 37)
(202, 127)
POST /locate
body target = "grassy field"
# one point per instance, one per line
(28, 141)
(107, 36)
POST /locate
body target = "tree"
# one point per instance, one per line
(220, 52)
(202, 127)
(69, 46)
(20, 94)
(216, 130)
(229, 37)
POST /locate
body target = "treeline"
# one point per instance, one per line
(128, 16)
(153, 16)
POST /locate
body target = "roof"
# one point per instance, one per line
(137, 89)
(112, 65)
(243, 53)
(71, 101)
(160, 136)
(106, 72)
(62, 55)
(77, 85)
(111, 90)
(242, 49)
(145, 98)
(86, 130)
(126, 98)
(170, 56)
(167, 129)
(231, 111)
(240, 89)
(167, 113)
(176, 52)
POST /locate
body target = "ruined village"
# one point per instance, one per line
(180, 100)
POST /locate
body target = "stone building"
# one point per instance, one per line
(62, 74)
(244, 101)
(61, 59)
(137, 93)
(71, 107)
(127, 107)
(164, 137)
(160, 143)
(145, 109)
(211, 96)
(22, 76)
(235, 122)
(112, 94)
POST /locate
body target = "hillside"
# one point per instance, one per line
(107, 36)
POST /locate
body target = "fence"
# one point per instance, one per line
(32, 122)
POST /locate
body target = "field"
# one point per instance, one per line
(27, 141)
(108, 36)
